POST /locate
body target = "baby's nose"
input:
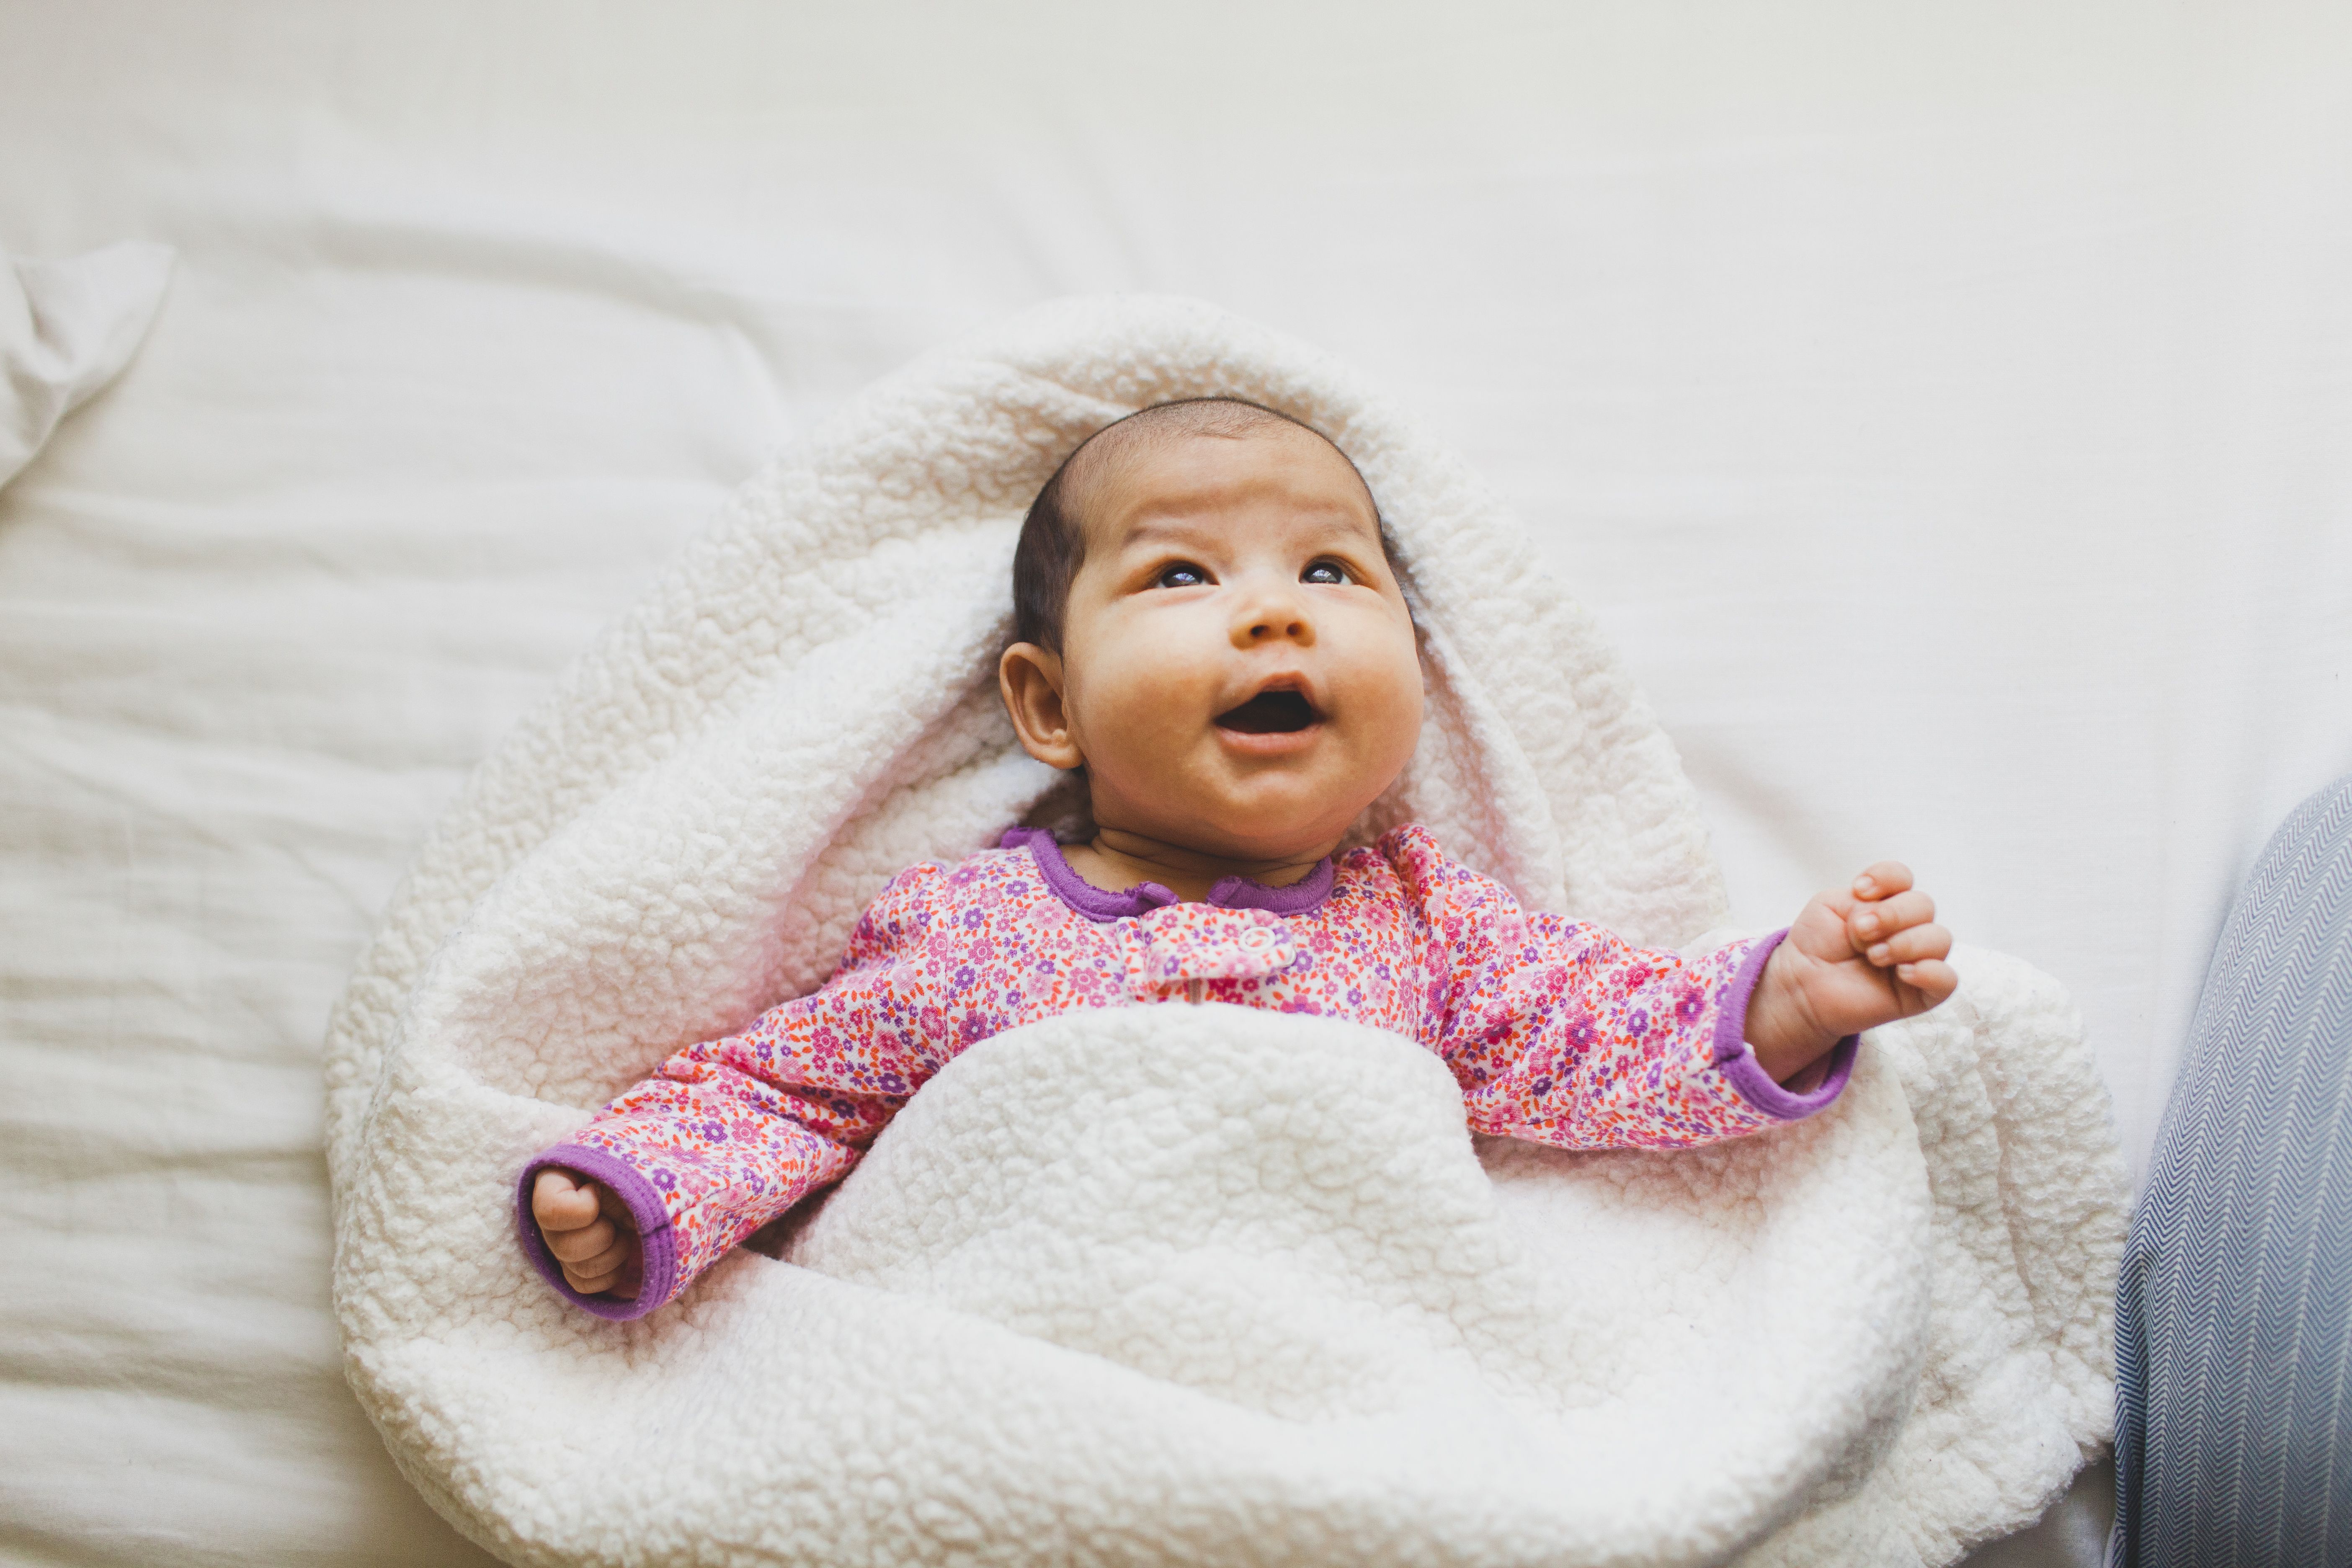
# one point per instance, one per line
(1274, 622)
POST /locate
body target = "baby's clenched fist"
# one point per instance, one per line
(591, 1232)
(1854, 960)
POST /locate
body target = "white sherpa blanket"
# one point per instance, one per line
(1179, 1284)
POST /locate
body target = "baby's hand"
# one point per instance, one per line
(591, 1232)
(1853, 960)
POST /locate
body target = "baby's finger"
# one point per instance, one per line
(558, 1202)
(1911, 946)
(1873, 923)
(579, 1246)
(624, 1281)
(609, 1261)
(616, 1209)
(589, 1284)
(1882, 878)
(1932, 979)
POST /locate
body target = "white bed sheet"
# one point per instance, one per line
(1947, 413)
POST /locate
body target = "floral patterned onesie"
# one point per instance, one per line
(1557, 1030)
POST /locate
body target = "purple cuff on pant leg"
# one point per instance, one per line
(1736, 1062)
(659, 1241)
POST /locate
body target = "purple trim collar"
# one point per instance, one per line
(1099, 904)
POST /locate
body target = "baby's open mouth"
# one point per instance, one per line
(1270, 713)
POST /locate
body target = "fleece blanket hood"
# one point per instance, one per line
(1178, 1284)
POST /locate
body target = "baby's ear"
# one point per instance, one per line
(1030, 678)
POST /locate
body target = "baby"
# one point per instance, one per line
(1211, 628)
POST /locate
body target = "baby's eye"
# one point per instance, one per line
(1324, 572)
(1183, 574)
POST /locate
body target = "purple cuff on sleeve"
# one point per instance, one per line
(1736, 1062)
(654, 1232)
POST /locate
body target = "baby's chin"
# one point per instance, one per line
(1262, 819)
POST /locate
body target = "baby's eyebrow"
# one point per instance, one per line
(1176, 528)
(1150, 529)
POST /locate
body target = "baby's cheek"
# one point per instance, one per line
(1140, 686)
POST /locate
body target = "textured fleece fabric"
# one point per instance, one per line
(1557, 1031)
(1171, 1284)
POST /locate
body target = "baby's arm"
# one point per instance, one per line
(1854, 960)
(732, 1132)
(1563, 1033)
(683, 1166)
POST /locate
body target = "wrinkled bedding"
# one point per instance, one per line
(2010, 342)
(67, 326)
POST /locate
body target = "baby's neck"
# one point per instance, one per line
(1116, 860)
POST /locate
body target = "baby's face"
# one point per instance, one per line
(1239, 671)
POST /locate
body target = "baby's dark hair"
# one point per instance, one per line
(1054, 541)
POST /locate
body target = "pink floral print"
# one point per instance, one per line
(1557, 1030)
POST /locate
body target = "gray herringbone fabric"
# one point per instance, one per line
(2233, 1325)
